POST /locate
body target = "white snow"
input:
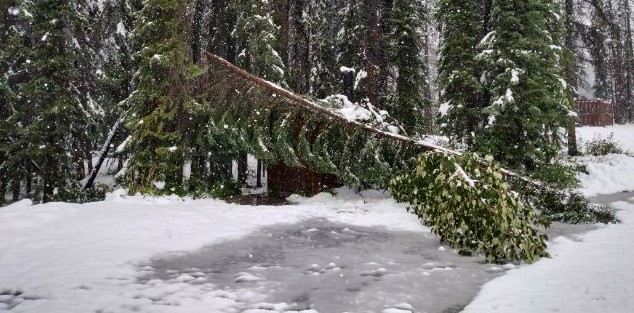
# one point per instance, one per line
(515, 76)
(85, 258)
(623, 134)
(345, 69)
(611, 173)
(594, 274)
(607, 174)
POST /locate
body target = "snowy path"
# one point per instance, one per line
(592, 275)
(130, 254)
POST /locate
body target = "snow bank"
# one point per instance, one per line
(610, 173)
(623, 135)
(591, 275)
(607, 174)
(61, 257)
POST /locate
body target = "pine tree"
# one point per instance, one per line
(458, 70)
(528, 96)
(51, 111)
(162, 101)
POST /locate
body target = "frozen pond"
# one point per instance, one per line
(335, 268)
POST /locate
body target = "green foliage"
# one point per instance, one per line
(46, 131)
(458, 69)
(77, 195)
(407, 22)
(471, 207)
(162, 102)
(558, 175)
(602, 146)
(529, 100)
(225, 189)
(256, 34)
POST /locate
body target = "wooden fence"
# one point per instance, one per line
(595, 113)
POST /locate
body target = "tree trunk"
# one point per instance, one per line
(570, 74)
(258, 181)
(243, 168)
(15, 188)
(629, 63)
(372, 42)
(299, 48)
(199, 7)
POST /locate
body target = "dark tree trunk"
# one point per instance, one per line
(199, 7)
(243, 167)
(570, 73)
(15, 189)
(3, 188)
(299, 48)
(629, 63)
(29, 178)
(348, 84)
(385, 72)
(372, 44)
(486, 16)
(47, 191)
(258, 180)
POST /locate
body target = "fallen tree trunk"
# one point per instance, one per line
(309, 105)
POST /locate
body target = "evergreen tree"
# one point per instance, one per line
(405, 51)
(51, 111)
(458, 70)
(256, 33)
(323, 25)
(161, 103)
(528, 96)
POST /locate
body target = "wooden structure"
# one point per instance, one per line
(289, 179)
(595, 112)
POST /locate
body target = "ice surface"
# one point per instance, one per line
(334, 267)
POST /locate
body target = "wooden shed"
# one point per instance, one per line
(595, 112)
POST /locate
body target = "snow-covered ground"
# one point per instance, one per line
(593, 273)
(60, 257)
(611, 173)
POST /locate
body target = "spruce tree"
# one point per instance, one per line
(255, 34)
(405, 54)
(162, 101)
(528, 96)
(51, 111)
(462, 94)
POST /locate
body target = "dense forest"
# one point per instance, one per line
(496, 77)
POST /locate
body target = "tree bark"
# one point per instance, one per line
(199, 7)
(299, 48)
(570, 74)
(372, 42)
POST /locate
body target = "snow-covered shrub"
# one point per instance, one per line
(471, 207)
(567, 207)
(602, 146)
(78, 195)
